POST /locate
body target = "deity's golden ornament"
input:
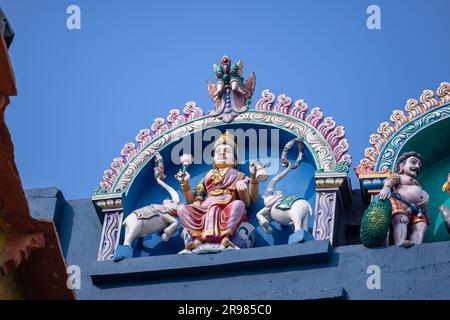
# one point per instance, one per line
(218, 174)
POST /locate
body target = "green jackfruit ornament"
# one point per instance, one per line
(375, 223)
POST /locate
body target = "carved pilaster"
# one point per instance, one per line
(371, 182)
(331, 193)
(111, 210)
(324, 218)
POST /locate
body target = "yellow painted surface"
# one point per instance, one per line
(10, 288)
(373, 175)
(2, 235)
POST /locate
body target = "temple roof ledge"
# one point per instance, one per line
(177, 266)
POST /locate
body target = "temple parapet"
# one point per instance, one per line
(321, 180)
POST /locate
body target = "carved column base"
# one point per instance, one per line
(111, 210)
(332, 193)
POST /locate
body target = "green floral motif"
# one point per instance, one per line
(342, 167)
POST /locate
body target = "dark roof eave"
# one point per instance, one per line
(5, 29)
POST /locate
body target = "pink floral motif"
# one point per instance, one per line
(337, 134)
(266, 103)
(117, 165)
(315, 117)
(175, 118)
(326, 126)
(109, 176)
(283, 105)
(159, 126)
(128, 151)
(300, 109)
(143, 137)
(191, 111)
(340, 149)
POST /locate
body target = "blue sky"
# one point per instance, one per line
(84, 93)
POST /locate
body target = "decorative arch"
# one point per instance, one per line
(423, 127)
(324, 139)
(387, 142)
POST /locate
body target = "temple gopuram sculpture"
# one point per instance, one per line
(409, 201)
(231, 94)
(389, 174)
(286, 209)
(218, 206)
(152, 218)
(221, 211)
(233, 213)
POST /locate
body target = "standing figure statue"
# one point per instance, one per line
(218, 206)
(409, 201)
(231, 94)
(445, 211)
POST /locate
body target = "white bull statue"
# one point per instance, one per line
(154, 218)
(286, 210)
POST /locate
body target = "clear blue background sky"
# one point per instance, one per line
(84, 93)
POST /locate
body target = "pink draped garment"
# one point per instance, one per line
(220, 214)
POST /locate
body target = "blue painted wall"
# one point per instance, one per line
(421, 272)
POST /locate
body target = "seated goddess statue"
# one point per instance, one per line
(218, 206)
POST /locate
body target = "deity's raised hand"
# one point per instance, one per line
(252, 168)
(241, 185)
(180, 178)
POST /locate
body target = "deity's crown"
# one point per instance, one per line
(225, 138)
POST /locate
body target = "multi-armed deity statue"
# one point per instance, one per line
(409, 201)
(217, 207)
